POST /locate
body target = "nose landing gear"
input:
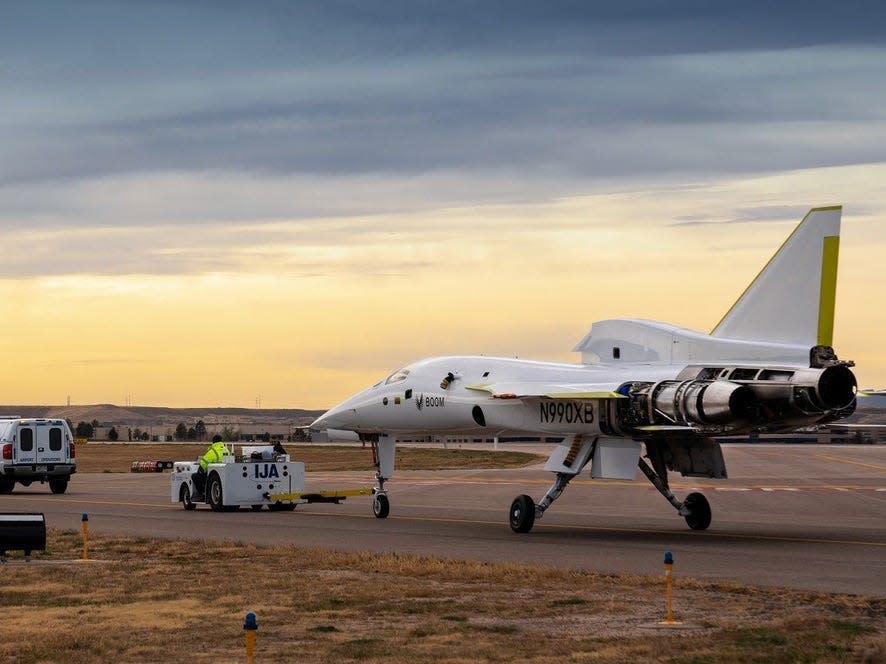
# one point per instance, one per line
(381, 507)
(383, 458)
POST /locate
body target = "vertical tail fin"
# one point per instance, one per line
(792, 300)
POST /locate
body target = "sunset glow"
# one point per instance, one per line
(291, 226)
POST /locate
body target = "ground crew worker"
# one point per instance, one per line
(213, 454)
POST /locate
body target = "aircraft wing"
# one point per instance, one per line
(537, 390)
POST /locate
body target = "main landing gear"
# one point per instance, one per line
(695, 508)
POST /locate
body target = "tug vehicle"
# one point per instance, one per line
(257, 477)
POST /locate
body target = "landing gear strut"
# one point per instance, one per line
(695, 509)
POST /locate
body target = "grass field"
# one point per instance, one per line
(117, 457)
(162, 601)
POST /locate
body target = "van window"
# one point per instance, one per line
(26, 436)
(55, 439)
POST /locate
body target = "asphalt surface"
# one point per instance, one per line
(803, 517)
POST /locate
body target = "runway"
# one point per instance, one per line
(803, 517)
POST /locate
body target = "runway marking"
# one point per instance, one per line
(634, 484)
(690, 533)
(657, 531)
(875, 466)
(81, 501)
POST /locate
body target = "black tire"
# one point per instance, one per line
(6, 484)
(381, 506)
(699, 517)
(58, 485)
(281, 507)
(214, 494)
(255, 508)
(522, 515)
(184, 496)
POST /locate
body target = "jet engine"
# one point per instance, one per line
(735, 399)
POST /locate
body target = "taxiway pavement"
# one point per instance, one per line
(803, 517)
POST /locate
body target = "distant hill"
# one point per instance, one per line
(146, 415)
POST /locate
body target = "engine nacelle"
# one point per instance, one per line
(735, 399)
(701, 402)
(835, 387)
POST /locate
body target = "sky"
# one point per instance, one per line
(210, 203)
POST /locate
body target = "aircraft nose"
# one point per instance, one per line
(343, 416)
(340, 417)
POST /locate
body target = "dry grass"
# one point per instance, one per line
(159, 600)
(116, 458)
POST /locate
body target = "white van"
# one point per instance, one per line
(33, 449)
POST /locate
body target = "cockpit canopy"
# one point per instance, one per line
(397, 377)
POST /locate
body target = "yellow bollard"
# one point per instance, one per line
(85, 520)
(250, 626)
(669, 589)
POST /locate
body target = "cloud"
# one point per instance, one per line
(167, 138)
(761, 213)
(564, 92)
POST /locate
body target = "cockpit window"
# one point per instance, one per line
(397, 377)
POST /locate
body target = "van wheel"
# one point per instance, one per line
(6, 484)
(59, 485)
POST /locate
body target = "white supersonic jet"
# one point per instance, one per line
(647, 394)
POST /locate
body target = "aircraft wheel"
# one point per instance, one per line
(184, 496)
(381, 507)
(59, 485)
(522, 516)
(214, 493)
(699, 517)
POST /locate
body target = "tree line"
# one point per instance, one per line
(183, 432)
(86, 430)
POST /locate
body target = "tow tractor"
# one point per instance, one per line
(255, 478)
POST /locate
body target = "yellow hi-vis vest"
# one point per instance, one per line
(213, 455)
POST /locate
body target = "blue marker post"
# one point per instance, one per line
(85, 520)
(250, 626)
